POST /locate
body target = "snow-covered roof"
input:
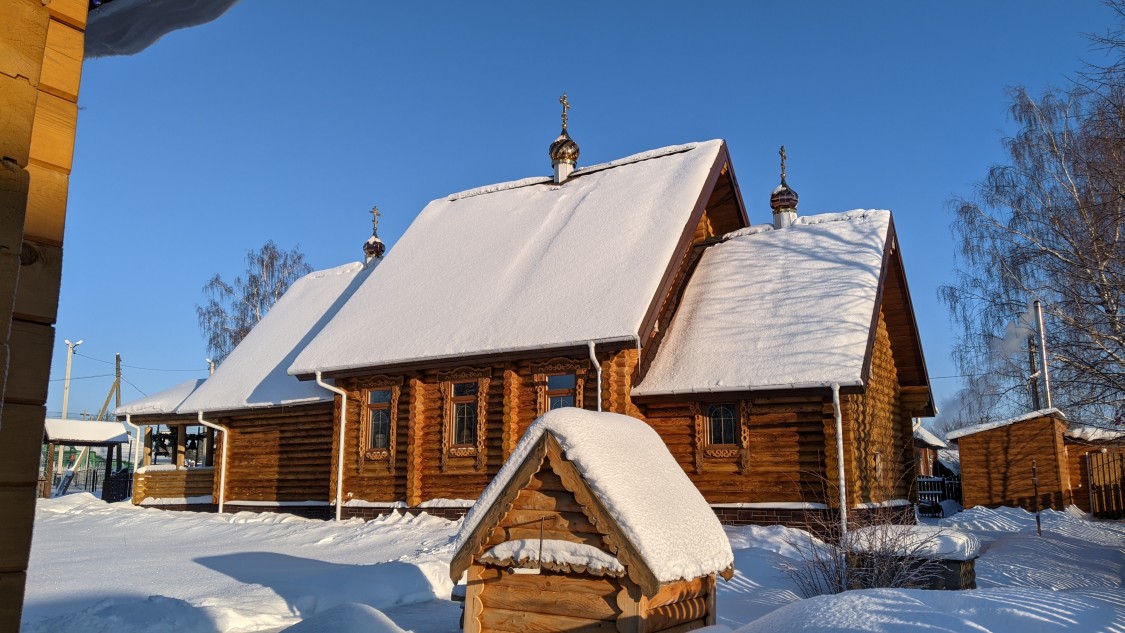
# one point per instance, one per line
(924, 435)
(987, 426)
(1087, 433)
(254, 374)
(950, 458)
(162, 401)
(645, 491)
(774, 309)
(523, 265)
(62, 431)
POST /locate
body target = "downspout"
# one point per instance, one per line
(840, 460)
(226, 453)
(340, 456)
(598, 369)
(137, 444)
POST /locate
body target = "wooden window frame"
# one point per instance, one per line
(555, 367)
(449, 450)
(378, 456)
(706, 452)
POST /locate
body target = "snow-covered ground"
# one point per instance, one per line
(116, 568)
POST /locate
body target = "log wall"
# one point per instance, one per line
(879, 440)
(1079, 467)
(278, 454)
(996, 466)
(513, 402)
(173, 484)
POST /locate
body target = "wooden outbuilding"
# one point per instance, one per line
(1096, 459)
(576, 534)
(110, 436)
(1018, 462)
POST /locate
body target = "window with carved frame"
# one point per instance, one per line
(379, 424)
(465, 397)
(721, 434)
(559, 383)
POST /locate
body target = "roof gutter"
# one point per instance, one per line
(340, 454)
(853, 384)
(226, 455)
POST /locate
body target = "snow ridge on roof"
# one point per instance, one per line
(522, 268)
(987, 426)
(162, 401)
(61, 431)
(776, 308)
(254, 375)
(1087, 433)
(645, 491)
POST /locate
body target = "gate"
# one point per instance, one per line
(1107, 484)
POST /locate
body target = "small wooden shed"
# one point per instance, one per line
(591, 525)
(1000, 462)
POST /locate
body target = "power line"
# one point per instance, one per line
(82, 377)
(126, 380)
(110, 362)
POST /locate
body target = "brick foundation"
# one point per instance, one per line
(185, 507)
(308, 512)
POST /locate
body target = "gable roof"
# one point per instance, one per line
(988, 426)
(659, 520)
(777, 309)
(161, 402)
(62, 431)
(923, 435)
(254, 374)
(523, 265)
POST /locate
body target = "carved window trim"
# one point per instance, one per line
(555, 367)
(448, 448)
(379, 456)
(706, 452)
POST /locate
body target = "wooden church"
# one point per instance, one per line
(568, 537)
(769, 358)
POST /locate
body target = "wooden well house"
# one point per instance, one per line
(577, 534)
(1096, 460)
(1018, 462)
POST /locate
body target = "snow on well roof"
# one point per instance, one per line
(254, 375)
(162, 401)
(1087, 433)
(522, 265)
(61, 431)
(645, 491)
(987, 426)
(776, 309)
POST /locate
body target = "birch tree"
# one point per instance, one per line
(232, 309)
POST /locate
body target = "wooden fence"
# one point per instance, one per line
(1107, 484)
(933, 490)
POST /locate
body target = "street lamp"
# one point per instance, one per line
(66, 384)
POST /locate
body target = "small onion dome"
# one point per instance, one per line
(374, 247)
(783, 198)
(564, 149)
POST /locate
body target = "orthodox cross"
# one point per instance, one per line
(566, 106)
(374, 220)
(782, 152)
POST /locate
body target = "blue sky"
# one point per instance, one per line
(280, 121)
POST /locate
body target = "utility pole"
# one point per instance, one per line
(66, 384)
(66, 393)
(117, 383)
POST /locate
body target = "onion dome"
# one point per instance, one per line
(374, 247)
(783, 198)
(564, 149)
